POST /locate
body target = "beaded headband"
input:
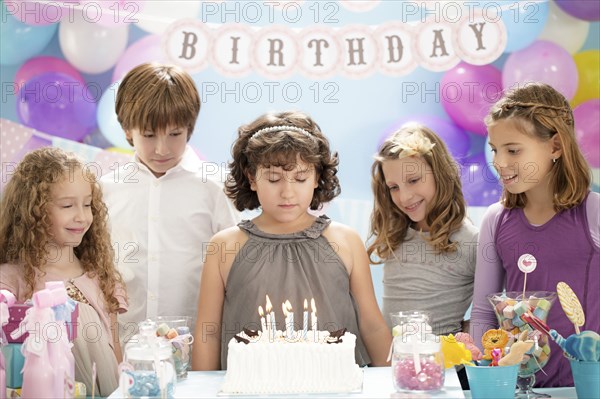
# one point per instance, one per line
(278, 128)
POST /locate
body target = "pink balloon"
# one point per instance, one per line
(146, 49)
(468, 91)
(114, 12)
(542, 62)
(587, 130)
(39, 65)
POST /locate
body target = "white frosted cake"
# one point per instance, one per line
(258, 365)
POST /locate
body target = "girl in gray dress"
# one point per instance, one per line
(282, 164)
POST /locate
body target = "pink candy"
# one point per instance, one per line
(431, 376)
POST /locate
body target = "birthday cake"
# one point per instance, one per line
(320, 362)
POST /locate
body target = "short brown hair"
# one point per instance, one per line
(281, 147)
(153, 96)
(540, 111)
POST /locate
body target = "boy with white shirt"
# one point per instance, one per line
(165, 205)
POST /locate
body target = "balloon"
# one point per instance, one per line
(158, 15)
(96, 139)
(468, 92)
(524, 23)
(90, 47)
(19, 41)
(480, 186)
(118, 150)
(541, 62)
(588, 67)
(38, 65)
(588, 10)
(146, 49)
(56, 104)
(456, 139)
(568, 32)
(107, 118)
(489, 158)
(587, 130)
(36, 12)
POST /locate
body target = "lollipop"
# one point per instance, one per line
(570, 304)
(526, 263)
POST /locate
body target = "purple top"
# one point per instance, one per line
(567, 248)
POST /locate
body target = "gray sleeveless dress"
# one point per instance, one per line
(294, 267)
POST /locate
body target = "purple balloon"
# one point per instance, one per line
(479, 184)
(468, 92)
(455, 138)
(57, 104)
(588, 10)
(542, 62)
(587, 130)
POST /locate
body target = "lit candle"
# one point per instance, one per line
(313, 318)
(305, 320)
(263, 324)
(271, 319)
(290, 322)
(286, 320)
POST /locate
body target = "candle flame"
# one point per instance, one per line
(305, 305)
(313, 307)
(269, 305)
(260, 311)
(285, 312)
(288, 306)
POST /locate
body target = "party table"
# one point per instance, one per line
(377, 384)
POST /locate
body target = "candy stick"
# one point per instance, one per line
(526, 263)
(571, 305)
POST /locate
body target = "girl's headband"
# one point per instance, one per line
(278, 128)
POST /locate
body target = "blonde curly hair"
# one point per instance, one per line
(25, 222)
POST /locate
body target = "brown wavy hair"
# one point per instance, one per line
(389, 225)
(281, 148)
(153, 96)
(540, 111)
(25, 223)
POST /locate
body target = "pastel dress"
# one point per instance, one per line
(294, 267)
(94, 343)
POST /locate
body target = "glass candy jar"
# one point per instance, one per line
(148, 368)
(417, 363)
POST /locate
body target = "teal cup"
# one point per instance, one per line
(587, 379)
(492, 382)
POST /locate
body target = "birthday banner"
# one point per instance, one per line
(317, 52)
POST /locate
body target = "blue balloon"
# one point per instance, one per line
(524, 21)
(489, 157)
(107, 118)
(480, 186)
(20, 41)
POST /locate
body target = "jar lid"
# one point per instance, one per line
(427, 343)
(143, 351)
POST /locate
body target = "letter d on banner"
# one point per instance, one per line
(186, 43)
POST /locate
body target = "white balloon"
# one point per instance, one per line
(561, 28)
(91, 47)
(156, 16)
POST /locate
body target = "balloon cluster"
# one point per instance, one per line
(542, 49)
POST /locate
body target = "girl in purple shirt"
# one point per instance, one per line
(546, 210)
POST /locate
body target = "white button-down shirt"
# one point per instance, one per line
(159, 229)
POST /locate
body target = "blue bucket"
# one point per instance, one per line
(492, 382)
(587, 379)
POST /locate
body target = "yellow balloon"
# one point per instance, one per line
(120, 150)
(588, 67)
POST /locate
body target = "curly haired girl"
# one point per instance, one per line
(53, 227)
(282, 163)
